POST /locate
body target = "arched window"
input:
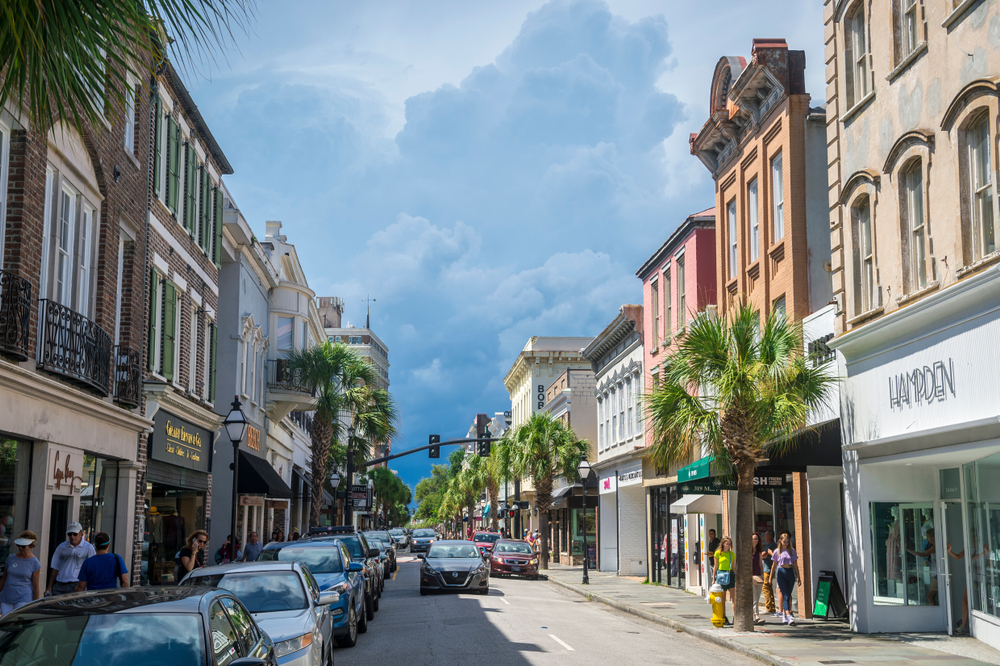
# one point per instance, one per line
(980, 192)
(913, 225)
(865, 291)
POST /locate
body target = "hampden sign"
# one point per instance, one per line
(924, 385)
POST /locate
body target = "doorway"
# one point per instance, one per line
(954, 569)
(58, 522)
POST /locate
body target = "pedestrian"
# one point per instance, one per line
(19, 583)
(963, 628)
(713, 545)
(930, 558)
(758, 578)
(223, 555)
(105, 570)
(786, 561)
(768, 551)
(725, 573)
(67, 559)
(294, 536)
(192, 556)
(253, 548)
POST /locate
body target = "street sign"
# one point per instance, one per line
(359, 496)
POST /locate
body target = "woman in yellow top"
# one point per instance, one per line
(725, 573)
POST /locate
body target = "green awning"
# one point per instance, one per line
(700, 469)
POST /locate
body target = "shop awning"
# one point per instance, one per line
(710, 504)
(259, 478)
(700, 469)
(559, 494)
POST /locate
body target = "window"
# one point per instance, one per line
(621, 413)
(354, 340)
(614, 415)
(285, 328)
(168, 328)
(778, 308)
(629, 403)
(915, 240)
(864, 258)
(305, 336)
(654, 289)
(4, 160)
(211, 356)
(731, 213)
(253, 376)
(131, 94)
(223, 636)
(981, 181)
(64, 248)
(778, 184)
(681, 295)
(668, 302)
(904, 554)
(600, 421)
(857, 56)
(754, 221)
(193, 349)
(638, 407)
(173, 168)
(910, 27)
(67, 245)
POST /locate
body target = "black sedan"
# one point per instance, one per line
(454, 566)
(422, 540)
(177, 625)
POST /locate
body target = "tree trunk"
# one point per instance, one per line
(543, 502)
(743, 608)
(492, 491)
(543, 549)
(322, 438)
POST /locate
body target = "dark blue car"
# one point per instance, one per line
(331, 565)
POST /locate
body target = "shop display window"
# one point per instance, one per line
(982, 504)
(577, 529)
(905, 559)
(15, 474)
(98, 496)
(171, 515)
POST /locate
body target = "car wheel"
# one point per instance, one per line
(484, 592)
(375, 604)
(351, 639)
(370, 608)
(365, 616)
(423, 592)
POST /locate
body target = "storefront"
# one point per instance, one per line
(177, 486)
(922, 464)
(623, 517)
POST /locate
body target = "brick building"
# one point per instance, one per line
(185, 245)
(72, 330)
(766, 149)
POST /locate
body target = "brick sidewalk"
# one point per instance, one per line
(807, 642)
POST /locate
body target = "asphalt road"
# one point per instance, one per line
(520, 622)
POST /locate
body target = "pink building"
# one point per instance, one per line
(678, 281)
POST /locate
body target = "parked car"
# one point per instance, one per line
(201, 626)
(401, 536)
(422, 540)
(285, 600)
(454, 566)
(513, 558)
(362, 552)
(386, 553)
(485, 541)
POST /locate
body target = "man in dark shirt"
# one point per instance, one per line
(103, 571)
(713, 545)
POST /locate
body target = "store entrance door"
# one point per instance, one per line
(953, 572)
(58, 522)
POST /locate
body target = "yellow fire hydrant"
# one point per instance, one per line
(717, 597)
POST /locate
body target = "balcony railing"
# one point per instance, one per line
(303, 420)
(15, 314)
(71, 345)
(128, 378)
(281, 377)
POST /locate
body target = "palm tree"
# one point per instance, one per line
(544, 449)
(65, 61)
(738, 393)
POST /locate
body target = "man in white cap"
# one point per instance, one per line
(67, 559)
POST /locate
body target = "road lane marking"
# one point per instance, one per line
(505, 601)
(556, 639)
(395, 573)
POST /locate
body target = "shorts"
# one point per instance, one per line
(63, 588)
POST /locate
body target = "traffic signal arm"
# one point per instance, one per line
(450, 442)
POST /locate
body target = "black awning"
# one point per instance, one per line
(259, 478)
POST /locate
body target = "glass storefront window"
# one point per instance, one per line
(98, 496)
(577, 525)
(905, 559)
(982, 505)
(15, 473)
(171, 515)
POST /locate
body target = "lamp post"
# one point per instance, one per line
(585, 470)
(348, 499)
(334, 482)
(236, 427)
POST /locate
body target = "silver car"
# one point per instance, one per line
(286, 602)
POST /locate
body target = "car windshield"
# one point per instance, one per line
(260, 592)
(384, 536)
(442, 551)
(108, 640)
(397, 532)
(521, 548)
(423, 533)
(320, 560)
(482, 537)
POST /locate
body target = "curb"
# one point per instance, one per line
(702, 634)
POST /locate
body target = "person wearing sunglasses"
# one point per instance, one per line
(69, 556)
(19, 583)
(191, 557)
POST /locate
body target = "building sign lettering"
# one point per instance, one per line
(541, 396)
(253, 438)
(931, 383)
(65, 472)
(179, 442)
(630, 478)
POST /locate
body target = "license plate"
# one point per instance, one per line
(516, 568)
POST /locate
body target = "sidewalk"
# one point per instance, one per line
(807, 642)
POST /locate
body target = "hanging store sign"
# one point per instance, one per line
(632, 478)
(179, 442)
(251, 500)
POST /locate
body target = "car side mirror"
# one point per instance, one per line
(373, 552)
(355, 566)
(421, 556)
(327, 597)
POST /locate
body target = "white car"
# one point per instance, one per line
(286, 602)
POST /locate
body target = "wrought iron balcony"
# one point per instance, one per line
(128, 377)
(15, 314)
(71, 345)
(281, 377)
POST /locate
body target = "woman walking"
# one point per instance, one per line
(725, 572)
(191, 557)
(758, 577)
(786, 560)
(19, 583)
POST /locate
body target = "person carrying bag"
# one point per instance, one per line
(725, 558)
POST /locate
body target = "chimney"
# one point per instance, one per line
(331, 309)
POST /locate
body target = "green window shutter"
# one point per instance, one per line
(169, 329)
(211, 365)
(191, 204)
(153, 314)
(206, 211)
(217, 236)
(157, 132)
(173, 166)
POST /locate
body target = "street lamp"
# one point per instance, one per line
(236, 427)
(334, 482)
(348, 500)
(585, 471)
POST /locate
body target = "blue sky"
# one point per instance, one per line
(486, 171)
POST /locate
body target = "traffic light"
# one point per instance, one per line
(482, 432)
(483, 448)
(434, 451)
(511, 513)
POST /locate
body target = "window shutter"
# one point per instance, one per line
(206, 211)
(191, 203)
(157, 132)
(173, 164)
(153, 315)
(169, 329)
(217, 236)
(211, 366)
